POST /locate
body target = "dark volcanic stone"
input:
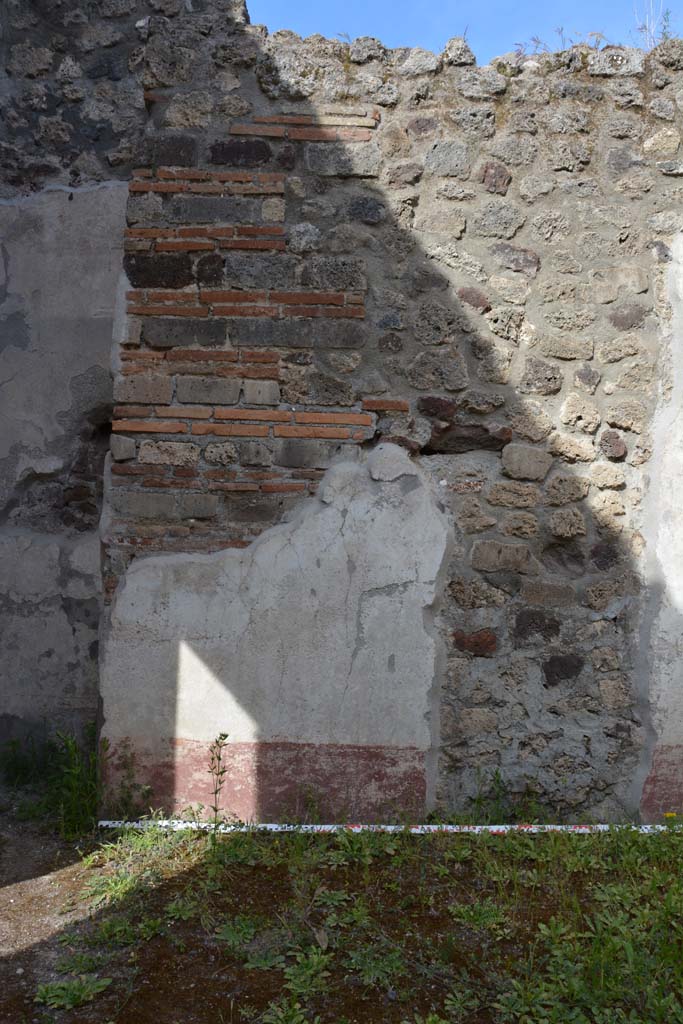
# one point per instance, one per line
(532, 623)
(495, 177)
(171, 151)
(475, 298)
(467, 437)
(241, 152)
(560, 667)
(612, 445)
(524, 261)
(160, 270)
(604, 555)
(210, 269)
(624, 318)
(568, 558)
(434, 405)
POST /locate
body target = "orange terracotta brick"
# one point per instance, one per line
(133, 469)
(272, 131)
(185, 173)
(150, 233)
(231, 429)
(285, 119)
(353, 418)
(249, 230)
(233, 487)
(386, 405)
(283, 488)
(195, 231)
(168, 311)
(203, 355)
(139, 356)
(232, 295)
(148, 427)
(273, 415)
(335, 433)
(184, 412)
(312, 134)
(354, 134)
(269, 311)
(154, 482)
(237, 176)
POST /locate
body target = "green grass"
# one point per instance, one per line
(403, 929)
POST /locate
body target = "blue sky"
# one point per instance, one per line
(492, 28)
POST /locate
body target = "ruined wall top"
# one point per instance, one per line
(85, 85)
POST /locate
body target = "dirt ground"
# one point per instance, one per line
(40, 879)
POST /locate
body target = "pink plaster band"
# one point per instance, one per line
(285, 781)
(663, 789)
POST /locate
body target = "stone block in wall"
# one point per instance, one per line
(241, 152)
(122, 448)
(159, 270)
(209, 390)
(254, 453)
(261, 392)
(616, 61)
(302, 454)
(169, 332)
(338, 273)
(213, 210)
(524, 462)
(449, 158)
(321, 333)
(145, 388)
(139, 505)
(170, 150)
(260, 270)
(169, 453)
(332, 159)
(496, 556)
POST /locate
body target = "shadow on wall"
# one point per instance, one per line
(485, 613)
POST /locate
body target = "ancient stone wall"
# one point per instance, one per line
(330, 247)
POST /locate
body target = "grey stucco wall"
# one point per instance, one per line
(61, 253)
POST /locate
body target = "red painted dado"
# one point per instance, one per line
(663, 789)
(280, 781)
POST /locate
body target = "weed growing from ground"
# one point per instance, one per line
(67, 995)
(64, 775)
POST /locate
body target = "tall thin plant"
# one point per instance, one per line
(217, 771)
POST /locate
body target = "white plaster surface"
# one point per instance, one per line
(664, 533)
(319, 632)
